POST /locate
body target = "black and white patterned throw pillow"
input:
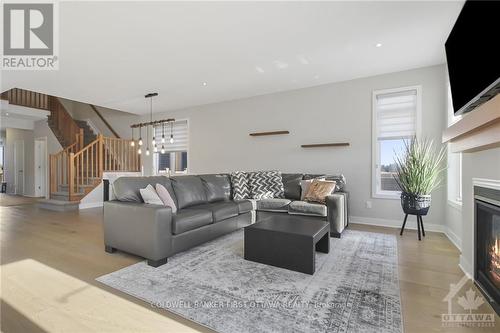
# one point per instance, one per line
(266, 184)
(239, 182)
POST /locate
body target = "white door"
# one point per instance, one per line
(40, 167)
(19, 167)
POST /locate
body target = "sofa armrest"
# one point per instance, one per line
(138, 228)
(336, 213)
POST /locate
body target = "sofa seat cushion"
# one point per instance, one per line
(307, 208)
(189, 219)
(221, 210)
(273, 205)
(244, 206)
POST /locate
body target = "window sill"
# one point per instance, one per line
(455, 204)
(395, 196)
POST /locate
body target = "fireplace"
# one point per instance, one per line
(487, 244)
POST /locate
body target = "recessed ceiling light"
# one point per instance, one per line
(303, 60)
(280, 64)
(259, 69)
(6, 113)
(204, 83)
(378, 45)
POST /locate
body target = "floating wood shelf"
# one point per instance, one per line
(323, 145)
(269, 133)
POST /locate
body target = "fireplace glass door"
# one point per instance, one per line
(487, 272)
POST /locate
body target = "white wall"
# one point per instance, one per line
(338, 112)
(484, 164)
(119, 120)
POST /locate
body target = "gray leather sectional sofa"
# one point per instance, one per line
(205, 210)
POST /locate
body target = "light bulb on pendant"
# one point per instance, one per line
(132, 143)
(139, 151)
(140, 136)
(155, 150)
(162, 149)
(154, 141)
(147, 152)
(162, 132)
(172, 132)
(140, 141)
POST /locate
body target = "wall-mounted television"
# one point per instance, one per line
(473, 55)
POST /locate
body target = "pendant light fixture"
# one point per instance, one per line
(140, 136)
(162, 132)
(150, 96)
(171, 132)
(132, 143)
(162, 138)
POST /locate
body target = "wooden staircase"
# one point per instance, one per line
(78, 168)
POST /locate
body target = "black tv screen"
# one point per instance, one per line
(473, 55)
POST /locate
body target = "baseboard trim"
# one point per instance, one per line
(466, 267)
(412, 225)
(90, 205)
(453, 238)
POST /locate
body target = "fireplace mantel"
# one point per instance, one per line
(477, 130)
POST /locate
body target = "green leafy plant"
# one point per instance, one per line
(419, 167)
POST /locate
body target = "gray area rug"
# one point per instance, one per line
(355, 287)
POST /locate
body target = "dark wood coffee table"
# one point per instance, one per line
(287, 241)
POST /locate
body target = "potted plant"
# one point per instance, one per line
(418, 173)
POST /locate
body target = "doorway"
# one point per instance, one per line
(19, 167)
(41, 167)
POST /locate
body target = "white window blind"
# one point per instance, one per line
(180, 133)
(396, 114)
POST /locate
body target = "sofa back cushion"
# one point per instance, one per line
(217, 187)
(189, 191)
(266, 184)
(127, 188)
(340, 180)
(291, 184)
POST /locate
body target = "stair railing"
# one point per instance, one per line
(86, 166)
(26, 98)
(58, 164)
(119, 155)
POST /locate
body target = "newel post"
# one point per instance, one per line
(71, 175)
(101, 154)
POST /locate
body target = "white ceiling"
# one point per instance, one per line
(112, 53)
(14, 116)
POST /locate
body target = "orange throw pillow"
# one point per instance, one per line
(319, 190)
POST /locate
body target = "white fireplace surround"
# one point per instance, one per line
(486, 183)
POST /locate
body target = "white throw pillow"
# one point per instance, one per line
(166, 197)
(150, 196)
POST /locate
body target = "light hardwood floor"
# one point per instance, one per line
(49, 262)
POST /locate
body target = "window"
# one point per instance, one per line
(175, 158)
(396, 119)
